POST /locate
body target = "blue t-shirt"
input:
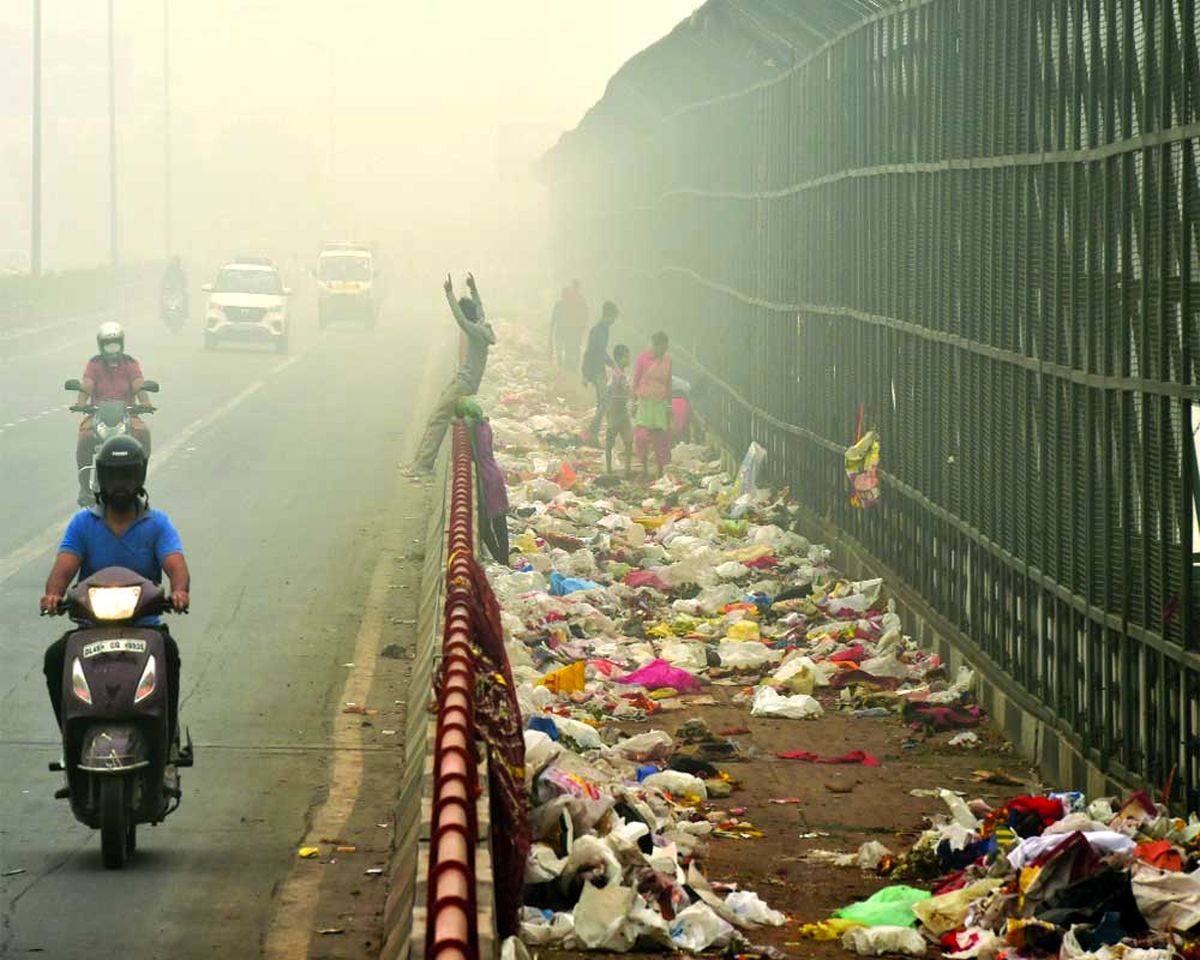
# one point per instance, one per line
(150, 539)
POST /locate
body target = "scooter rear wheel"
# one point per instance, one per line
(115, 822)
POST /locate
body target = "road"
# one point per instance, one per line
(280, 474)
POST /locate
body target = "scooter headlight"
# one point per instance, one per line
(101, 429)
(148, 682)
(113, 603)
(79, 683)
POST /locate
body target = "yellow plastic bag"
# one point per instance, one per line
(568, 679)
(831, 929)
(743, 630)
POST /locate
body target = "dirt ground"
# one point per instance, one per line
(844, 806)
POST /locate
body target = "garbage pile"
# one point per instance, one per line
(1039, 875)
(629, 606)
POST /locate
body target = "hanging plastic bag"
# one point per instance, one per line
(862, 470)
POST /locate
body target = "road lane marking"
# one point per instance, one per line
(291, 930)
(45, 541)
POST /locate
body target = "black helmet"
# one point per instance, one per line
(121, 471)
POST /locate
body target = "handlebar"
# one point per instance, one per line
(161, 605)
(134, 409)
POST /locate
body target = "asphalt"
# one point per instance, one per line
(280, 474)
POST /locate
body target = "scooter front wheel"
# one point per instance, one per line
(116, 822)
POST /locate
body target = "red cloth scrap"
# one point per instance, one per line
(854, 756)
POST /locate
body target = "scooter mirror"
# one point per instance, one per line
(150, 386)
(73, 385)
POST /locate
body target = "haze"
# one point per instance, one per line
(409, 123)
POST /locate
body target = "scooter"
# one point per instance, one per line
(173, 307)
(117, 755)
(110, 418)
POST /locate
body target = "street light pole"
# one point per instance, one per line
(35, 224)
(113, 252)
(166, 44)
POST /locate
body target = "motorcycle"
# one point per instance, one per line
(110, 418)
(173, 307)
(117, 754)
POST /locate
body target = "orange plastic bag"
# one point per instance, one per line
(566, 476)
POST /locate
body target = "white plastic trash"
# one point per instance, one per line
(748, 906)
(745, 655)
(585, 735)
(698, 928)
(678, 783)
(769, 703)
(878, 941)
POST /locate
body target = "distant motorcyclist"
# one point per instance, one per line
(121, 530)
(174, 279)
(173, 296)
(110, 375)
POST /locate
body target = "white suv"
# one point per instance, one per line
(248, 302)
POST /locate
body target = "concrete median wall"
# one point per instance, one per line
(403, 902)
(405, 909)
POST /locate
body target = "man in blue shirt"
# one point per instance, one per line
(119, 531)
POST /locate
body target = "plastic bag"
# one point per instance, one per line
(746, 484)
(796, 675)
(677, 783)
(745, 656)
(650, 745)
(948, 911)
(584, 735)
(688, 655)
(560, 586)
(743, 630)
(601, 918)
(870, 854)
(890, 907)
(769, 703)
(658, 674)
(569, 679)
(862, 470)
(513, 949)
(697, 928)
(750, 908)
(878, 941)
(546, 931)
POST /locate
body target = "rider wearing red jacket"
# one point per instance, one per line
(110, 375)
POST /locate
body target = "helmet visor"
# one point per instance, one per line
(121, 479)
(110, 348)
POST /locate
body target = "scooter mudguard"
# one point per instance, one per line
(114, 748)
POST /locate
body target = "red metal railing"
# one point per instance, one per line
(451, 926)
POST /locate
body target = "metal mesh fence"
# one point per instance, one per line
(978, 219)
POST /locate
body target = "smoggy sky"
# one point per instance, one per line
(297, 117)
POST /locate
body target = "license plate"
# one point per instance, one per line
(121, 645)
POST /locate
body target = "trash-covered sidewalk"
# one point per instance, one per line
(730, 747)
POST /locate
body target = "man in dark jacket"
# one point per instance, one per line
(596, 362)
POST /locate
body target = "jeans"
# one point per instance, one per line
(439, 420)
(601, 407)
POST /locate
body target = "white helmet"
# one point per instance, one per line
(110, 340)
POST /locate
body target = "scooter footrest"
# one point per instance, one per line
(56, 766)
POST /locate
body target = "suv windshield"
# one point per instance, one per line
(345, 268)
(236, 280)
